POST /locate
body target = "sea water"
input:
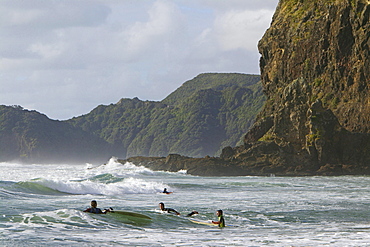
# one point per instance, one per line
(42, 205)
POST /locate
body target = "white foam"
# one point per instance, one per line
(24, 172)
(16, 172)
(127, 186)
(182, 172)
(118, 169)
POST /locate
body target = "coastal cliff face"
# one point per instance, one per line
(315, 72)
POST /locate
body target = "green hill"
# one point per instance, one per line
(33, 137)
(216, 81)
(201, 117)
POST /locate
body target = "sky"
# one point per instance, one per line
(63, 58)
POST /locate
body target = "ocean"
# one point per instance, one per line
(42, 205)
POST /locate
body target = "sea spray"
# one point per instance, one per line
(118, 169)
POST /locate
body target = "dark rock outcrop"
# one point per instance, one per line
(315, 71)
(209, 166)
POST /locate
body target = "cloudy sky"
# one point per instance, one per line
(65, 57)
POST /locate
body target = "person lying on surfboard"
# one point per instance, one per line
(221, 220)
(171, 210)
(166, 192)
(168, 210)
(96, 210)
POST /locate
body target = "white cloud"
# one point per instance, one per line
(41, 14)
(65, 57)
(160, 30)
(47, 50)
(241, 29)
(222, 5)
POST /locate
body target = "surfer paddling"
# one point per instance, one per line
(95, 210)
(168, 210)
(171, 210)
(165, 191)
(221, 220)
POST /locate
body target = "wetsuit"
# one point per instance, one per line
(191, 213)
(170, 210)
(94, 210)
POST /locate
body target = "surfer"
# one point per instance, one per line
(166, 192)
(96, 210)
(168, 210)
(221, 220)
(191, 213)
(171, 210)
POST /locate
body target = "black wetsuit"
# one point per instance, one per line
(94, 210)
(170, 210)
(191, 213)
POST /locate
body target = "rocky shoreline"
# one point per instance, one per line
(261, 159)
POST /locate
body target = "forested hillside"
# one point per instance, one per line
(32, 137)
(201, 117)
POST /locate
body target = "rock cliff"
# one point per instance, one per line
(315, 72)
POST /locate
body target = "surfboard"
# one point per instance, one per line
(132, 214)
(203, 222)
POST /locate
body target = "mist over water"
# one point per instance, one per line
(43, 204)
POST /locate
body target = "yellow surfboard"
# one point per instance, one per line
(203, 222)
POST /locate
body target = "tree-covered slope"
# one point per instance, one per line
(216, 81)
(200, 118)
(33, 137)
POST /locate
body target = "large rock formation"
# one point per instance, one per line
(315, 72)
